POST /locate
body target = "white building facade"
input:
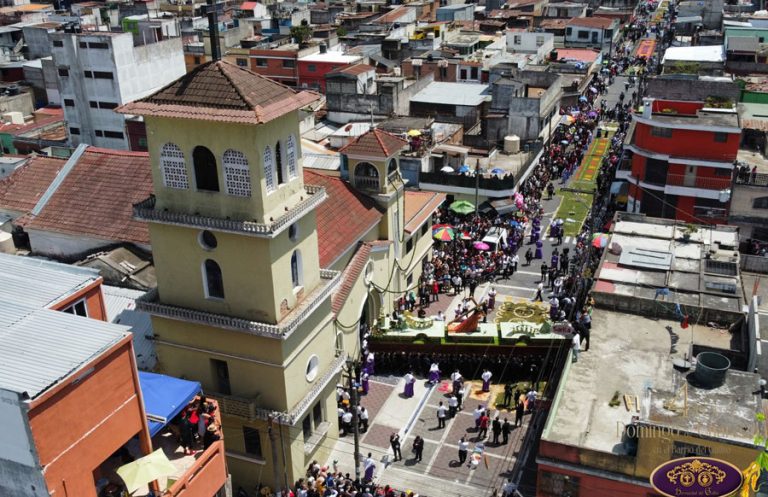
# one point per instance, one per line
(97, 72)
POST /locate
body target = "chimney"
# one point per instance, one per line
(213, 31)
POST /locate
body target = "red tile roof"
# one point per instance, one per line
(41, 118)
(419, 206)
(393, 15)
(375, 143)
(350, 275)
(222, 92)
(591, 22)
(23, 188)
(354, 70)
(343, 218)
(95, 199)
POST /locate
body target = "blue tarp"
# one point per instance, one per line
(165, 397)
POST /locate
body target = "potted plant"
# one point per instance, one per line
(689, 230)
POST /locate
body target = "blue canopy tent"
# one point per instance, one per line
(164, 398)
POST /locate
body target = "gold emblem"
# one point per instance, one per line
(696, 471)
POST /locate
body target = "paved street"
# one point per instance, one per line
(439, 473)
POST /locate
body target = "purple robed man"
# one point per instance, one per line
(434, 373)
(409, 381)
(365, 383)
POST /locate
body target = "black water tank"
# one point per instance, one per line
(711, 368)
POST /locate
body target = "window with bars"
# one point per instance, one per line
(237, 178)
(173, 167)
(290, 157)
(269, 170)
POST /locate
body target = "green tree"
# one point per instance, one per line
(302, 33)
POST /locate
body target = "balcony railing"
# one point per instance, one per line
(329, 280)
(698, 182)
(758, 179)
(469, 182)
(206, 472)
(367, 182)
(146, 211)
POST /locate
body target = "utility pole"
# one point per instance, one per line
(275, 461)
(354, 405)
(477, 185)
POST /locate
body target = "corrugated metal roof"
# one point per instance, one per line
(452, 94)
(322, 161)
(38, 282)
(650, 259)
(121, 309)
(47, 346)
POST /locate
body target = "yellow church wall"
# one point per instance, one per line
(247, 378)
(282, 248)
(248, 139)
(179, 259)
(249, 291)
(299, 460)
(322, 345)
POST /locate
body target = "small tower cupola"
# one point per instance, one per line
(374, 162)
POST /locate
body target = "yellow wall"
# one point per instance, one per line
(249, 291)
(248, 139)
(655, 450)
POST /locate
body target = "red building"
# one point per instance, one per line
(313, 68)
(679, 160)
(278, 65)
(74, 406)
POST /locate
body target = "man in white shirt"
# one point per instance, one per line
(453, 404)
(515, 262)
(576, 346)
(441, 414)
(463, 448)
(530, 397)
(477, 413)
(346, 422)
(508, 490)
(363, 417)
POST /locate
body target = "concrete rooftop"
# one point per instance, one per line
(633, 355)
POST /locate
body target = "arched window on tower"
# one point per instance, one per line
(391, 167)
(296, 272)
(212, 280)
(269, 170)
(366, 176)
(206, 172)
(281, 176)
(237, 175)
(174, 167)
(290, 157)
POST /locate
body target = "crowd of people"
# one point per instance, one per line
(460, 265)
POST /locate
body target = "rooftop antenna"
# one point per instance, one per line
(213, 31)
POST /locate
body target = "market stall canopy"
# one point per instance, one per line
(165, 397)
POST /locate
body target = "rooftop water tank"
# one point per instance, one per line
(511, 144)
(711, 368)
